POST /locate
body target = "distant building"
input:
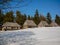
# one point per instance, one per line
(10, 26)
(43, 24)
(29, 24)
(53, 24)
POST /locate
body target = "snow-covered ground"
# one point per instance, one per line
(33, 36)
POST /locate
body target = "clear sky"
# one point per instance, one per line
(43, 6)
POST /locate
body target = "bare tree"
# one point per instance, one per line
(5, 4)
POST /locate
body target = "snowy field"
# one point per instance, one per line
(33, 36)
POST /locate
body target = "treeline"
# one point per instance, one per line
(20, 18)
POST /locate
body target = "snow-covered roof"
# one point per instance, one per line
(11, 24)
(53, 24)
(42, 24)
(29, 23)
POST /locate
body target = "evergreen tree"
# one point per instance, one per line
(20, 19)
(24, 18)
(49, 20)
(32, 17)
(1, 17)
(9, 17)
(57, 19)
(29, 18)
(42, 18)
(18, 15)
(36, 17)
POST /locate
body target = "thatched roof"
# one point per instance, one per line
(53, 24)
(10, 24)
(29, 23)
(42, 24)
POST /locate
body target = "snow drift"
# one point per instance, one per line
(31, 36)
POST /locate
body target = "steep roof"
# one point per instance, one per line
(29, 23)
(11, 24)
(53, 24)
(42, 24)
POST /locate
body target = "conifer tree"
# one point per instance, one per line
(20, 18)
(1, 17)
(49, 20)
(36, 17)
(29, 18)
(9, 17)
(57, 19)
(18, 15)
(42, 18)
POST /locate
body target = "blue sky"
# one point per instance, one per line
(43, 6)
